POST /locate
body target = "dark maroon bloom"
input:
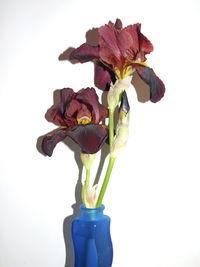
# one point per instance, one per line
(120, 51)
(79, 115)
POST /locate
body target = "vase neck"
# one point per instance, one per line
(92, 214)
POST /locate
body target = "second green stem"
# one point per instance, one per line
(111, 128)
(111, 161)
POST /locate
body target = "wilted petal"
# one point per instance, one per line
(50, 141)
(89, 96)
(157, 87)
(102, 76)
(85, 53)
(89, 137)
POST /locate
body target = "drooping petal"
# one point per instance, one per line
(85, 53)
(157, 87)
(102, 76)
(89, 137)
(50, 141)
(89, 96)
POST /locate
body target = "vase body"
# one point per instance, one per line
(91, 238)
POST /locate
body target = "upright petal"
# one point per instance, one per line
(57, 113)
(109, 50)
(133, 31)
(140, 45)
(89, 137)
(89, 96)
(157, 87)
(118, 24)
(85, 53)
(72, 108)
(145, 45)
(125, 43)
(66, 95)
(50, 141)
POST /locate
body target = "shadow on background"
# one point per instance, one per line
(91, 39)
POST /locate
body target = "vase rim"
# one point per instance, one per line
(101, 208)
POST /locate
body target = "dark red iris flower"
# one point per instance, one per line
(79, 116)
(120, 51)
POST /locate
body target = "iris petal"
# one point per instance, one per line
(85, 53)
(157, 87)
(56, 116)
(102, 77)
(66, 95)
(89, 137)
(109, 50)
(89, 96)
(103, 111)
(118, 24)
(50, 141)
(57, 113)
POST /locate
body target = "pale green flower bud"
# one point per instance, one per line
(87, 159)
(122, 130)
(115, 91)
(89, 196)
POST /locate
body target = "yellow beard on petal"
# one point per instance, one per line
(127, 69)
(122, 73)
(84, 120)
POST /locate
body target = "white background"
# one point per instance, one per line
(153, 197)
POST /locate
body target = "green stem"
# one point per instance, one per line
(105, 182)
(112, 160)
(87, 177)
(111, 127)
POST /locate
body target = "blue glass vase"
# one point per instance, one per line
(91, 238)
